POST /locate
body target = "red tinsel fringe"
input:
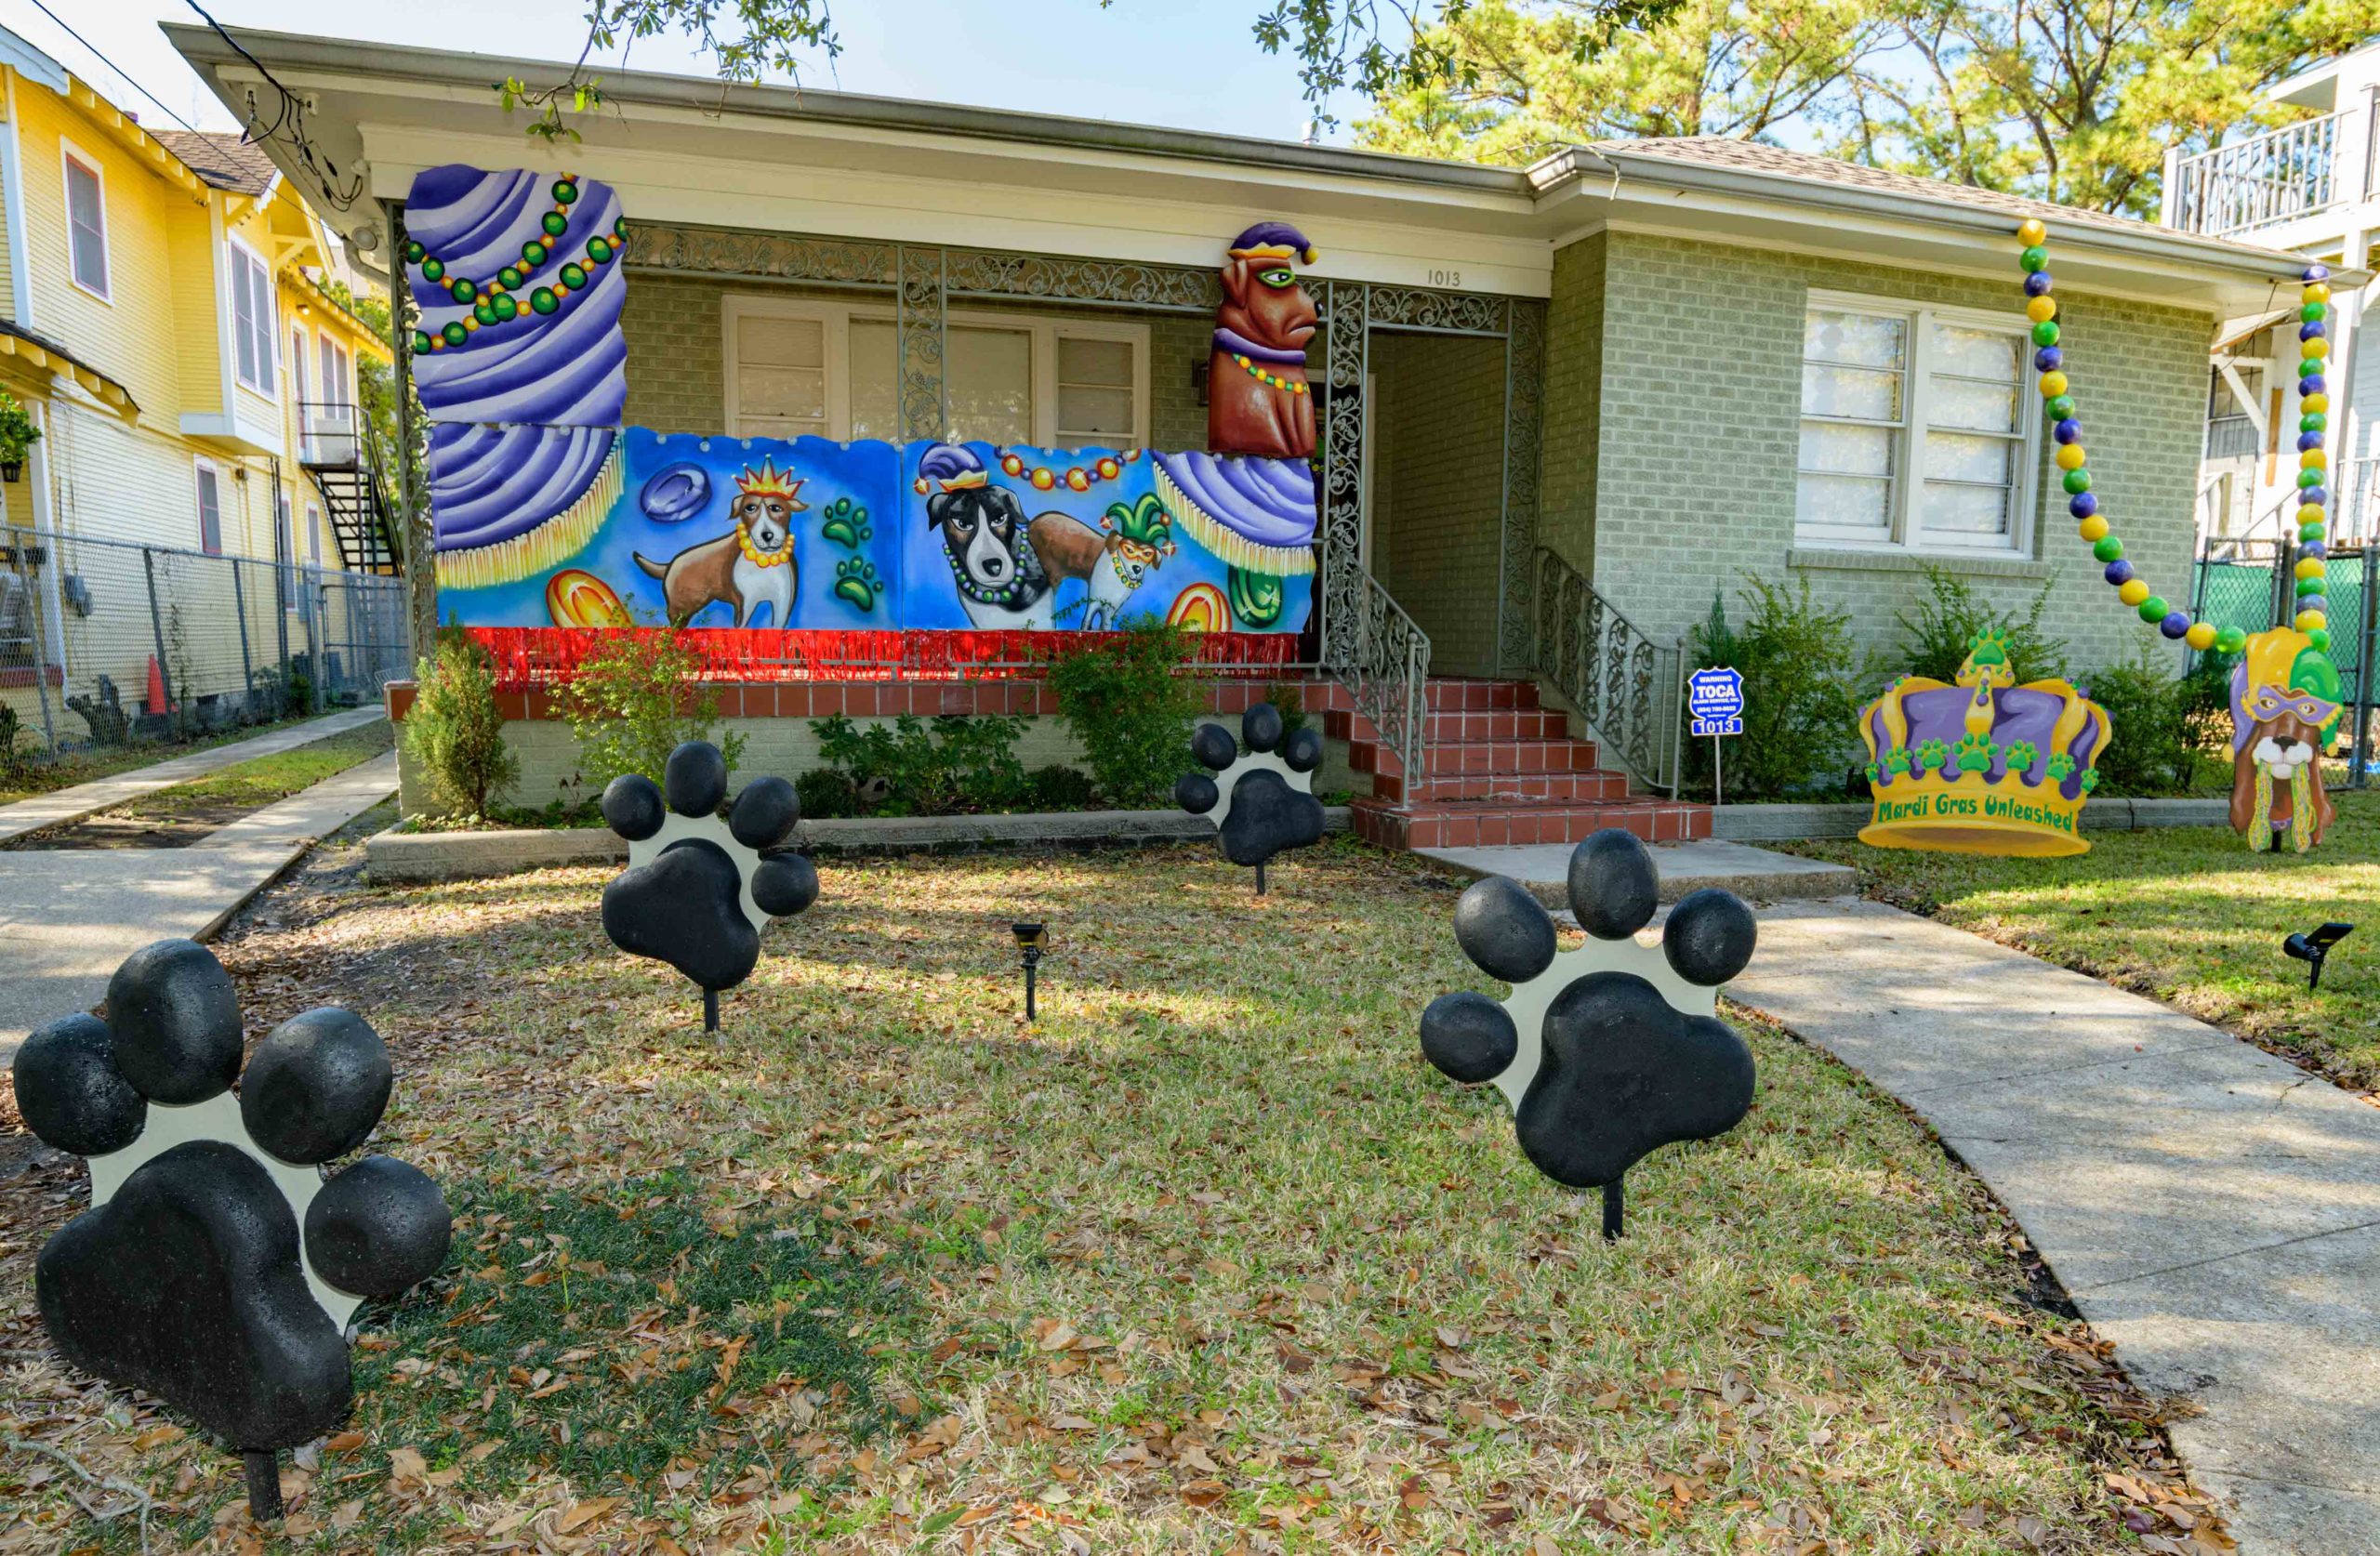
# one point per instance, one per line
(532, 657)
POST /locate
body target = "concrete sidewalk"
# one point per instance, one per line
(69, 915)
(62, 806)
(1760, 875)
(2212, 1209)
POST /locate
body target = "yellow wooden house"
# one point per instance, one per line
(176, 320)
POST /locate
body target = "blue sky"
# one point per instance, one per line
(1143, 61)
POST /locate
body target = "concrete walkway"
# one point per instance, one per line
(69, 915)
(2212, 1209)
(1760, 875)
(62, 806)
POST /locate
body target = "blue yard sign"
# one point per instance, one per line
(1715, 700)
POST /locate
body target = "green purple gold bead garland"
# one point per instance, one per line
(2314, 347)
(492, 301)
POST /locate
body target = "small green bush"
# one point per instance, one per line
(635, 699)
(954, 765)
(824, 792)
(12, 756)
(454, 729)
(2161, 726)
(1124, 700)
(1948, 616)
(1802, 694)
(1059, 787)
(1290, 698)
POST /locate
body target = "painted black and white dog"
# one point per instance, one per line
(998, 573)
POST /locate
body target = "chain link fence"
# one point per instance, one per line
(106, 642)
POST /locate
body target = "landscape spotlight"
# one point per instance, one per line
(1031, 941)
(2311, 949)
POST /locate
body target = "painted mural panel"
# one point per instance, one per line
(552, 526)
(519, 280)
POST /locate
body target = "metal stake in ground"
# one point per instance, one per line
(264, 1483)
(1031, 941)
(1614, 1210)
(711, 1009)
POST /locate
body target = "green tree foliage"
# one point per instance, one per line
(1802, 693)
(454, 729)
(1947, 617)
(2071, 100)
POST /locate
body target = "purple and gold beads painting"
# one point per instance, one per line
(519, 279)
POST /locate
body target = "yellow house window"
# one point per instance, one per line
(251, 318)
(210, 509)
(87, 221)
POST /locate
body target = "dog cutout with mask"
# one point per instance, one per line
(1258, 400)
(750, 566)
(2285, 697)
(1007, 568)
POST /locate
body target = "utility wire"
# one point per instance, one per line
(114, 66)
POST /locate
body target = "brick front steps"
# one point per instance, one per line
(1501, 769)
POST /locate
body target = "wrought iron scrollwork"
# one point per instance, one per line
(922, 341)
(1623, 684)
(1417, 308)
(775, 255)
(985, 273)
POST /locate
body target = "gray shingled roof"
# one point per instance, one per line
(225, 161)
(1716, 151)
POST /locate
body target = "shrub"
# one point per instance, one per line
(824, 791)
(1124, 702)
(1802, 693)
(454, 729)
(637, 698)
(2158, 726)
(953, 766)
(1059, 787)
(1948, 616)
(12, 756)
(1290, 698)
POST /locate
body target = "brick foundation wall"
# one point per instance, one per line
(1695, 433)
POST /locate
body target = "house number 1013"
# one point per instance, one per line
(1445, 278)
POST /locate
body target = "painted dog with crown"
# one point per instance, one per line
(751, 566)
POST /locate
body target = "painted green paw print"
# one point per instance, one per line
(1932, 755)
(855, 580)
(2061, 766)
(1896, 761)
(1870, 771)
(2022, 754)
(846, 525)
(2090, 780)
(1975, 753)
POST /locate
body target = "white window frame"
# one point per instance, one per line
(265, 321)
(201, 470)
(1907, 478)
(69, 155)
(836, 318)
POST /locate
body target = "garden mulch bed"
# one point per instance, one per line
(1208, 1259)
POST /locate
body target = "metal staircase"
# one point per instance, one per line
(346, 468)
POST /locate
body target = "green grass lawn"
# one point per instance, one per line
(1210, 1260)
(2185, 915)
(262, 779)
(46, 774)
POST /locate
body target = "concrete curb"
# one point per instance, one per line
(394, 856)
(1755, 873)
(1785, 824)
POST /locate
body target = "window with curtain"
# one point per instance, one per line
(832, 371)
(251, 319)
(210, 511)
(1914, 433)
(87, 224)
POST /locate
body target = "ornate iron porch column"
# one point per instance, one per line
(1346, 357)
(1524, 444)
(921, 296)
(416, 540)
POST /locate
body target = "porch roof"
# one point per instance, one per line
(689, 149)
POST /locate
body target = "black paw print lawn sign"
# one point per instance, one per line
(1259, 791)
(1612, 1050)
(699, 890)
(219, 1262)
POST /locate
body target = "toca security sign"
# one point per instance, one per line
(1715, 700)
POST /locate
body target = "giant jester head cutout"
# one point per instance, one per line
(2285, 696)
(1258, 400)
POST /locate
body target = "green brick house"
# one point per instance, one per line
(1561, 406)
